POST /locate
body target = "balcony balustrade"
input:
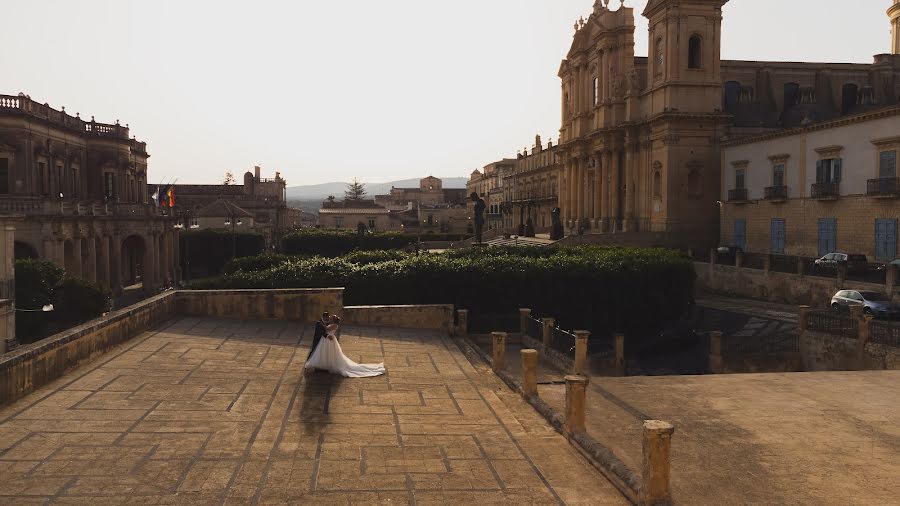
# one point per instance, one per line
(776, 193)
(884, 187)
(826, 191)
(737, 195)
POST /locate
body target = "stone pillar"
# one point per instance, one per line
(115, 264)
(657, 458)
(857, 312)
(50, 250)
(529, 372)
(841, 276)
(462, 324)
(598, 191)
(803, 314)
(499, 348)
(548, 331)
(76, 253)
(801, 267)
(524, 316)
(575, 393)
(176, 251)
(579, 191)
(865, 329)
(620, 354)
(570, 194)
(103, 260)
(581, 349)
(715, 352)
(7, 276)
(150, 252)
(616, 188)
(91, 274)
(608, 197)
(890, 279)
(739, 259)
(767, 264)
(629, 186)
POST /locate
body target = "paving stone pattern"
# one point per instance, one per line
(209, 411)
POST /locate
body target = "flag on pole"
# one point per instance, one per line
(171, 195)
(155, 196)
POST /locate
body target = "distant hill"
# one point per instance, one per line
(322, 191)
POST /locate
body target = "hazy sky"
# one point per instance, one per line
(327, 90)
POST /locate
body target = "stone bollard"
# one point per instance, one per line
(620, 354)
(529, 372)
(801, 267)
(581, 349)
(462, 326)
(713, 253)
(738, 259)
(865, 329)
(548, 332)
(499, 341)
(715, 352)
(803, 324)
(767, 264)
(655, 488)
(575, 392)
(857, 312)
(524, 315)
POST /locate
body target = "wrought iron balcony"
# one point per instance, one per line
(884, 187)
(826, 190)
(737, 195)
(777, 193)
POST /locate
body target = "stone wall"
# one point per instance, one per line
(825, 352)
(438, 316)
(7, 323)
(29, 367)
(303, 304)
(773, 286)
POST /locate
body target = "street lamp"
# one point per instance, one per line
(187, 216)
(233, 221)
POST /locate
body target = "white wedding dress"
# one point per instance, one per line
(330, 357)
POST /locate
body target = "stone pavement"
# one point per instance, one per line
(798, 438)
(209, 411)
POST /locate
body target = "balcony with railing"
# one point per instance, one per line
(826, 191)
(23, 104)
(776, 193)
(37, 206)
(886, 187)
(738, 195)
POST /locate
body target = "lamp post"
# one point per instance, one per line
(187, 216)
(234, 221)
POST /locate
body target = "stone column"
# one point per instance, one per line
(499, 349)
(598, 192)
(103, 260)
(548, 332)
(620, 354)
(76, 252)
(91, 274)
(50, 250)
(767, 263)
(115, 264)
(581, 348)
(608, 195)
(803, 324)
(570, 194)
(579, 191)
(657, 458)
(149, 275)
(739, 259)
(524, 316)
(715, 352)
(176, 251)
(575, 403)
(462, 324)
(629, 186)
(865, 329)
(890, 279)
(529, 372)
(801, 267)
(616, 188)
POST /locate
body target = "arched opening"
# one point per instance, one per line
(133, 249)
(732, 95)
(69, 256)
(695, 52)
(86, 263)
(23, 250)
(849, 94)
(657, 185)
(695, 183)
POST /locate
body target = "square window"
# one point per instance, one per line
(739, 179)
(887, 165)
(778, 175)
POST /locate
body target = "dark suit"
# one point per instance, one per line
(317, 336)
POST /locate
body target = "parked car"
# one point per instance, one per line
(874, 303)
(727, 254)
(855, 263)
(895, 263)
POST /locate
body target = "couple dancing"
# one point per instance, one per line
(326, 353)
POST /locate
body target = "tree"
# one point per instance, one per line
(229, 179)
(355, 190)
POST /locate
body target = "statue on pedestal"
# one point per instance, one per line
(478, 218)
(556, 232)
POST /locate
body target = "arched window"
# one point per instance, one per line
(660, 57)
(657, 184)
(849, 95)
(695, 52)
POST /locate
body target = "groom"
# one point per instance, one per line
(320, 332)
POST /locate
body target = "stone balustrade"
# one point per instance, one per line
(25, 105)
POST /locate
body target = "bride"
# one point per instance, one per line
(329, 356)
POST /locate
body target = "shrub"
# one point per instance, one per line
(374, 257)
(254, 263)
(207, 251)
(36, 282)
(77, 301)
(444, 237)
(600, 289)
(333, 243)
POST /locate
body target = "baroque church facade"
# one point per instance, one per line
(640, 142)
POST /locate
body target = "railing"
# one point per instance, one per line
(754, 261)
(7, 289)
(886, 333)
(63, 119)
(776, 193)
(36, 206)
(563, 342)
(826, 190)
(735, 346)
(737, 195)
(481, 323)
(534, 328)
(833, 323)
(8, 102)
(784, 263)
(884, 187)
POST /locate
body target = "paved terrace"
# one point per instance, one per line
(210, 411)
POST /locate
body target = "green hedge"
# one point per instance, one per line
(444, 237)
(600, 289)
(78, 301)
(333, 243)
(207, 251)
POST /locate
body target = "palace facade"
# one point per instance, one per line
(641, 138)
(80, 187)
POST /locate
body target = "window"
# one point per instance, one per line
(338, 222)
(44, 179)
(59, 180)
(732, 95)
(778, 174)
(371, 223)
(4, 176)
(596, 91)
(777, 236)
(740, 179)
(657, 185)
(885, 240)
(849, 97)
(109, 185)
(887, 165)
(695, 52)
(74, 183)
(740, 233)
(828, 170)
(827, 236)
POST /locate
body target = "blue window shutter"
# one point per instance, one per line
(885, 240)
(827, 236)
(836, 170)
(777, 236)
(740, 233)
